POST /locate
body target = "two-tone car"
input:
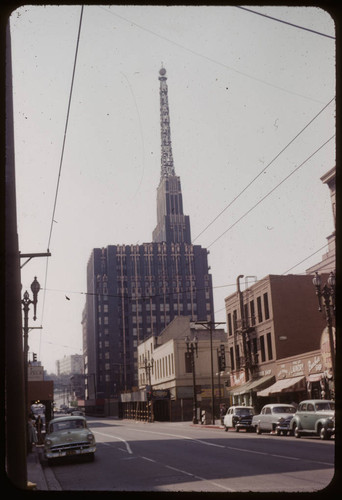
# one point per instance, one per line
(239, 417)
(271, 415)
(69, 436)
(314, 416)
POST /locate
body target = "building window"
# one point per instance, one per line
(266, 308)
(237, 355)
(251, 304)
(235, 320)
(262, 348)
(259, 309)
(229, 321)
(232, 361)
(269, 346)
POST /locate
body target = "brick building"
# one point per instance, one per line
(275, 332)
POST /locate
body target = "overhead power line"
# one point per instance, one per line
(270, 192)
(61, 161)
(203, 56)
(263, 170)
(285, 22)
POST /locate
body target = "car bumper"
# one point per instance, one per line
(244, 426)
(69, 453)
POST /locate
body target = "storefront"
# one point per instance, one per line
(246, 394)
(297, 378)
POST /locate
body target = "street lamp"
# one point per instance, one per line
(26, 301)
(192, 348)
(209, 326)
(148, 366)
(327, 293)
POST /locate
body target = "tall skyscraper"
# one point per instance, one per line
(135, 291)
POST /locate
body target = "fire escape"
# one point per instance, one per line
(245, 336)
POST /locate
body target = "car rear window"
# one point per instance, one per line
(325, 406)
(284, 409)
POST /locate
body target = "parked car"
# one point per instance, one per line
(314, 416)
(283, 426)
(239, 417)
(77, 412)
(271, 415)
(68, 436)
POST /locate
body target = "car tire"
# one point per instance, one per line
(237, 429)
(258, 429)
(279, 432)
(323, 433)
(226, 428)
(296, 432)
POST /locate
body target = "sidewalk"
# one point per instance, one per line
(38, 477)
(217, 425)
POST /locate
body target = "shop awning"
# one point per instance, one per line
(252, 385)
(284, 385)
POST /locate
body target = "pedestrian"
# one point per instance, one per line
(39, 428)
(222, 412)
(32, 433)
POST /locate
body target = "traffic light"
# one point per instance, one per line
(34, 357)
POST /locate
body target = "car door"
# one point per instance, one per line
(268, 419)
(310, 417)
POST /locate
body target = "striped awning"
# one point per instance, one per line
(251, 386)
(284, 385)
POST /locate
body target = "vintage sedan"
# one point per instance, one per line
(239, 417)
(271, 415)
(314, 416)
(69, 436)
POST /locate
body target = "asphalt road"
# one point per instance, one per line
(137, 456)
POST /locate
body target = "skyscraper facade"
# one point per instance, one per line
(135, 291)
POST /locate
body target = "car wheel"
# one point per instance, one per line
(296, 432)
(226, 428)
(323, 434)
(278, 432)
(258, 429)
(237, 429)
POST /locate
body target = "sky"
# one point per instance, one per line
(243, 89)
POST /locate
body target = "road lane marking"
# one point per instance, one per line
(179, 470)
(115, 437)
(149, 459)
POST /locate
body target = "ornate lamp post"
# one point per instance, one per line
(327, 293)
(26, 301)
(191, 349)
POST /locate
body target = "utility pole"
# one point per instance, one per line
(209, 326)
(15, 428)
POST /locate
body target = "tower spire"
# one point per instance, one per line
(167, 167)
(172, 225)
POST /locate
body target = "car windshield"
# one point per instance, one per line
(284, 409)
(325, 406)
(244, 411)
(67, 425)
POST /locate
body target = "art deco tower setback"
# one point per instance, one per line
(135, 291)
(172, 224)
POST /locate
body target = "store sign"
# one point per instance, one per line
(237, 378)
(325, 348)
(35, 373)
(161, 394)
(300, 367)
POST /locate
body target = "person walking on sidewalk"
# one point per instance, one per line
(39, 427)
(32, 433)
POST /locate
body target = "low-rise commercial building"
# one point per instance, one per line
(275, 338)
(165, 371)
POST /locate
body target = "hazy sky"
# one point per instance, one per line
(241, 87)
